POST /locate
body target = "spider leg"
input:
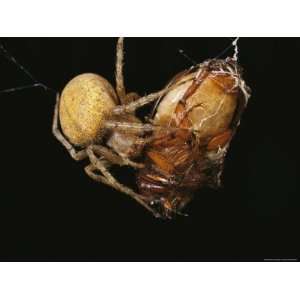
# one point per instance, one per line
(131, 107)
(136, 127)
(111, 181)
(57, 133)
(143, 141)
(120, 87)
(113, 158)
(130, 97)
(89, 170)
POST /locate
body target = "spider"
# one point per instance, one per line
(94, 122)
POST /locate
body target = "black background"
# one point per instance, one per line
(50, 210)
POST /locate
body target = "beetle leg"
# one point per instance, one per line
(111, 181)
(220, 140)
(57, 133)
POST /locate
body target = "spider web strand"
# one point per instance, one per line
(36, 83)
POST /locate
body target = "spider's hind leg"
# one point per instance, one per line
(108, 179)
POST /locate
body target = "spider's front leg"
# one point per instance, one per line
(140, 127)
(139, 102)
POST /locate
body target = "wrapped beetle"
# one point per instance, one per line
(206, 108)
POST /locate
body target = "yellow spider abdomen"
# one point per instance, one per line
(85, 103)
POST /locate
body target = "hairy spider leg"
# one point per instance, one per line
(76, 155)
(111, 181)
(120, 87)
(114, 158)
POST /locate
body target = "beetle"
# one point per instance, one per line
(206, 109)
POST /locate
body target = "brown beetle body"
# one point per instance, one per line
(205, 109)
